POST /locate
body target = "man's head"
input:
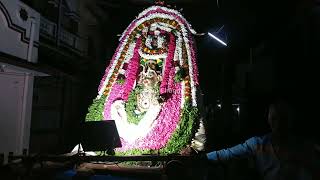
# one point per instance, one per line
(280, 117)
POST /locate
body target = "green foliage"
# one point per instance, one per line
(160, 63)
(142, 61)
(184, 132)
(131, 105)
(180, 75)
(136, 152)
(120, 81)
(96, 109)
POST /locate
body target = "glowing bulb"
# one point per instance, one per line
(216, 38)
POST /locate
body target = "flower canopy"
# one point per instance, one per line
(149, 88)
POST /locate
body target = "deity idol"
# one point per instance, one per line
(149, 88)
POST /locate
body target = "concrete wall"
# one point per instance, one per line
(19, 37)
(15, 110)
(16, 93)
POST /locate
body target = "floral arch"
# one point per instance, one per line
(149, 87)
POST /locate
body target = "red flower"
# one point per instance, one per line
(125, 66)
(121, 76)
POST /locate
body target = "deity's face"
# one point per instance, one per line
(152, 65)
(154, 43)
(147, 82)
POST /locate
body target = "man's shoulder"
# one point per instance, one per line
(264, 139)
(260, 140)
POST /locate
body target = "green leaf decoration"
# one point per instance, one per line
(131, 105)
(184, 132)
(96, 109)
(180, 75)
(120, 81)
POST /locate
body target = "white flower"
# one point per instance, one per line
(152, 56)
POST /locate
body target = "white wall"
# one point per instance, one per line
(15, 112)
(12, 28)
(11, 99)
(16, 91)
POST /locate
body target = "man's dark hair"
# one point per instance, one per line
(285, 113)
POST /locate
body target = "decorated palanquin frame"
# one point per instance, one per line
(149, 87)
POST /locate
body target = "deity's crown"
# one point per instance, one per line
(159, 2)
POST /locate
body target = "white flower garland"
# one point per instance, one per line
(193, 88)
(160, 41)
(122, 71)
(165, 27)
(130, 52)
(131, 132)
(183, 87)
(176, 51)
(152, 56)
(148, 42)
(153, 8)
(138, 21)
(178, 57)
(179, 47)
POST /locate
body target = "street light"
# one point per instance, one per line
(216, 38)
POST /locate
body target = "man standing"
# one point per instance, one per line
(278, 155)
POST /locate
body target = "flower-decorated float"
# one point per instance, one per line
(150, 86)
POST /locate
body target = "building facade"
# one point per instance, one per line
(44, 59)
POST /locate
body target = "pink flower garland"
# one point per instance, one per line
(117, 90)
(171, 81)
(132, 71)
(122, 91)
(168, 65)
(193, 60)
